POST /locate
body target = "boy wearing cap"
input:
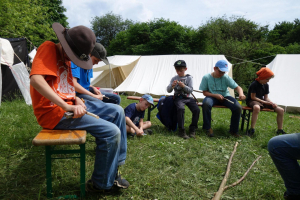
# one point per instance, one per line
(82, 79)
(215, 89)
(52, 92)
(134, 115)
(258, 98)
(183, 86)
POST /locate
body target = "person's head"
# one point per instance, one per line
(77, 43)
(99, 54)
(180, 67)
(220, 68)
(264, 75)
(145, 102)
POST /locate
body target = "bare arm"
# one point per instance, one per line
(82, 90)
(132, 125)
(241, 93)
(217, 96)
(39, 83)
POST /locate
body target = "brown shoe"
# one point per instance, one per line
(181, 133)
(210, 132)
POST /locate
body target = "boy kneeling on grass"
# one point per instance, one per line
(257, 99)
(134, 115)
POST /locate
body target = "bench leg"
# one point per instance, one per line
(48, 171)
(82, 170)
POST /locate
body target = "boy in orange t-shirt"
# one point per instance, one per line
(52, 92)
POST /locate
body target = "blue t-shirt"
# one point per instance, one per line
(134, 114)
(83, 75)
(217, 85)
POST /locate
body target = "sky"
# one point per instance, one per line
(192, 13)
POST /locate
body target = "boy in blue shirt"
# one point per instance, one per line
(134, 115)
(183, 86)
(82, 79)
(215, 89)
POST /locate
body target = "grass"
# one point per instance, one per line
(158, 166)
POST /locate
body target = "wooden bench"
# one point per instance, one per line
(246, 114)
(50, 138)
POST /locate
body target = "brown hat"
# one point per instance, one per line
(77, 42)
(100, 52)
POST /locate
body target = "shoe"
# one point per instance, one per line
(131, 135)
(192, 134)
(210, 132)
(119, 182)
(90, 187)
(181, 133)
(280, 131)
(235, 134)
(291, 197)
(148, 131)
(250, 132)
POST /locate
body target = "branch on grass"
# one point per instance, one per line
(221, 188)
(241, 179)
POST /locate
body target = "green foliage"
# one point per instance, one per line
(108, 26)
(285, 33)
(31, 19)
(157, 37)
(158, 166)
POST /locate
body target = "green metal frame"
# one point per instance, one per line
(49, 150)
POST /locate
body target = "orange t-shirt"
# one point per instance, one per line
(59, 77)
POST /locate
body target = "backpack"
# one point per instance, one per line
(167, 112)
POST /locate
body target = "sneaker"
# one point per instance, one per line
(148, 131)
(280, 131)
(90, 187)
(250, 132)
(235, 134)
(131, 135)
(182, 133)
(192, 134)
(210, 132)
(119, 182)
(291, 197)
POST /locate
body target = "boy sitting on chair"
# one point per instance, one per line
(183, 86)
(134, 115)
(215, 89)
(257, 99)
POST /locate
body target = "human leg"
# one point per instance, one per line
(280, 113)
(207, 105)
(108, 138)
(112, 98)
(285, 151)
(236, 110)
(180, 117)
(255, 112)
(194, 108)
(147, 124)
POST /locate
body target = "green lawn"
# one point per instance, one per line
(158, 166)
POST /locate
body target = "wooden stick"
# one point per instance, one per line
(229, 101)
(292, 116)
(241, 179)
(198, 91)
(92, 114)
(223, 183)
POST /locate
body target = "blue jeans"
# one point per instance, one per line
(285, 151)
(235, 108)
(110, 136)
(112, 98)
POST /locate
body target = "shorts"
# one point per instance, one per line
(253, 103)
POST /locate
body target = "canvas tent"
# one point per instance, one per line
(14, 74)
(152, 74)
(283, 88)
(111, 76)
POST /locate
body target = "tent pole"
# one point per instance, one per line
(109, 76)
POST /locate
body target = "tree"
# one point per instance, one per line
(156, 37)
(28, 18)
(108, 26)
(55, 11)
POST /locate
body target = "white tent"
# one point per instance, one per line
(152, 74)
(111, 76)
(286, 68)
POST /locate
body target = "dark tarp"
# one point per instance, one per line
(10, 88)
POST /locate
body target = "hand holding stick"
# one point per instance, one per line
(69, 115)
